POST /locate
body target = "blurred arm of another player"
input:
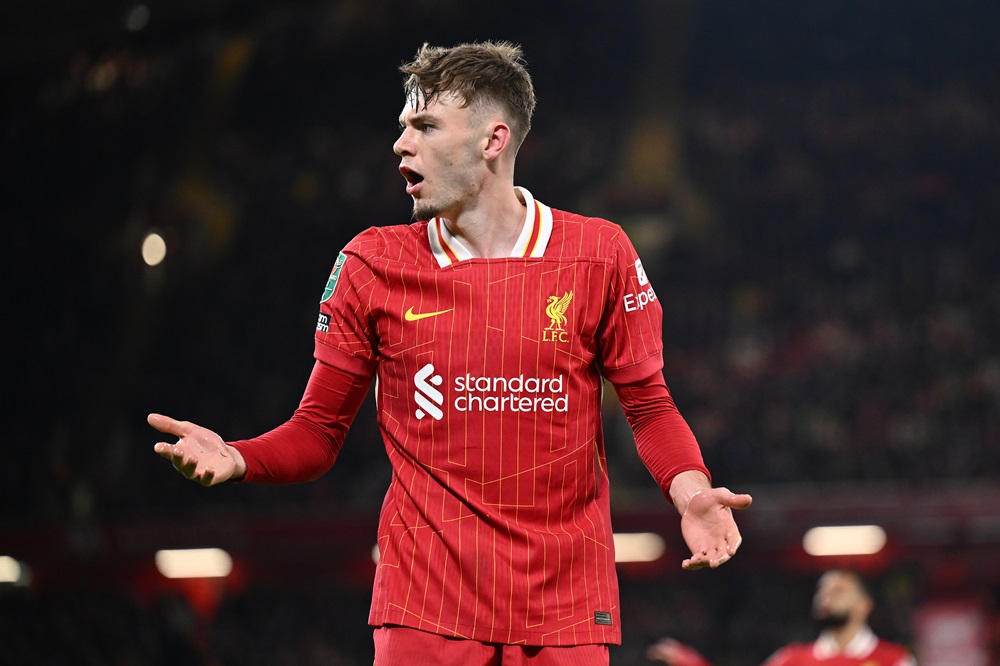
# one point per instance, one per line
(670, 451)
(675, 653)
(301, 449)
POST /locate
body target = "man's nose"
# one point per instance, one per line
(403, 145)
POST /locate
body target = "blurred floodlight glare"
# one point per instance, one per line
(844, 540)
(10, 569)
(194, 563)
(154, 249)
(375, 554)
(137, 18)
(639, 547)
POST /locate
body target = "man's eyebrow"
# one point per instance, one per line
(421, 117)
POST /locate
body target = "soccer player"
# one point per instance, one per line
(490, 326)
(841, 606)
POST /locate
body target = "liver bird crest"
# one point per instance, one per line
(556, 310)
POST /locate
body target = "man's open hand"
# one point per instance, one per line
(199, 454)
(709, 529)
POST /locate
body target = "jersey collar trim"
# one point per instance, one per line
(859, 647)
(532, 242)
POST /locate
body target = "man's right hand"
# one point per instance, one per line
(199, 454)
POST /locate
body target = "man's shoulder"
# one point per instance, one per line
(388, 241)
(793, 653)
(592, 224)
(893, 653)
(583, 231)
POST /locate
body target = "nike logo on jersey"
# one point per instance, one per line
(410, 315)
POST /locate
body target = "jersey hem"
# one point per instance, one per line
(637, 371)
(489, 635)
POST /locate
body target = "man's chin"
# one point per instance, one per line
(424, 212)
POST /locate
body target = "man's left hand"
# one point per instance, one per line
(709, 529)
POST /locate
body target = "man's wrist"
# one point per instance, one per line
(240, 465)
(686, 486)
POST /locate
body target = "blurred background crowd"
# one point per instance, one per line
(813, 188)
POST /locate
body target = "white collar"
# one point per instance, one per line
(532, 242)
(860, 646)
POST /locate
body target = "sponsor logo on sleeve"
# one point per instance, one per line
(640, 272)
(331, 282)
(642, 298)
(323, 324)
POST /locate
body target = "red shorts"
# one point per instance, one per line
(403, 646)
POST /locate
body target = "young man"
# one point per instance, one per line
(490, 325)
(841, 606)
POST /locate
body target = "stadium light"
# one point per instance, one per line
(137, 18)
(194, 563)
(10, 570)
(844, 540)
(154, 249)
(638, 547)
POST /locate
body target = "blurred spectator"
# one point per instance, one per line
(841, 606)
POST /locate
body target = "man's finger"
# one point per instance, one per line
(734, 544)
(692, 564)
(207, 477)
(699, 559)
(191, 467)
(173, 453)
(169, 425)
(737, 500)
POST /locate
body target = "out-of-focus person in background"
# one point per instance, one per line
(841, 606)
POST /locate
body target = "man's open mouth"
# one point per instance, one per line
(413, 179)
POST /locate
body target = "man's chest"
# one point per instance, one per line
(497, 315)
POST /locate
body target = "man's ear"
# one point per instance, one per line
(497, 141)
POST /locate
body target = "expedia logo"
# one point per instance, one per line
(646, 295)
(428, 398)
(640, 273)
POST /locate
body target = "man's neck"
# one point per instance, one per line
(845, 634)
(490, 228)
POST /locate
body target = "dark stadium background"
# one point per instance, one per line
(814, 189)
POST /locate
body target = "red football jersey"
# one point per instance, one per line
(496, 524)
(865, 649)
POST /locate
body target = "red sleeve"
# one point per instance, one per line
(631, 333)
(345, 335)
(305, 447)
(662, 436)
